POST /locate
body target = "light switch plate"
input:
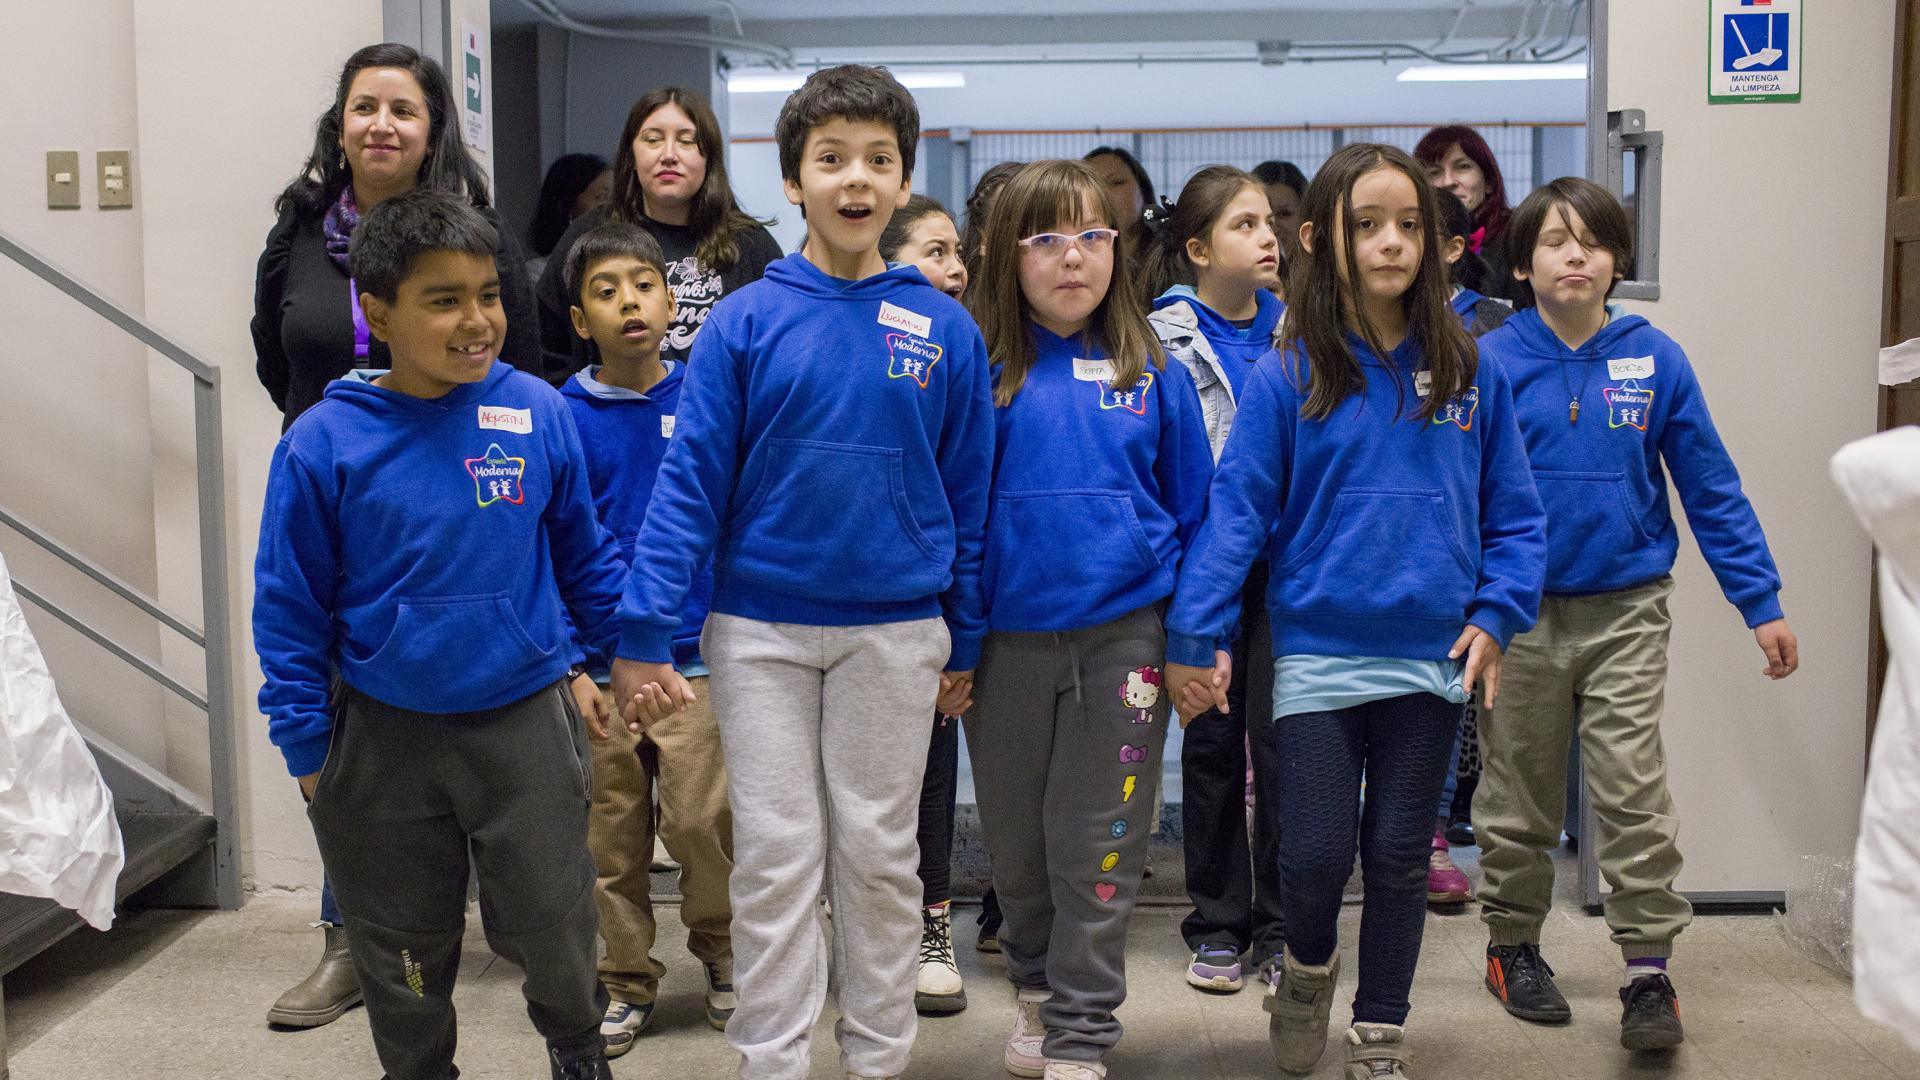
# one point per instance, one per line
(116, 179)
(63, 179)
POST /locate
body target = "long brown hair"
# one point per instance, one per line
(715, 217)
(1317, 316)
(1039, 197)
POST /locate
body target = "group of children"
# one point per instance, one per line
(859, 509)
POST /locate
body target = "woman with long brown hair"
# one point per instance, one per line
(669, 178)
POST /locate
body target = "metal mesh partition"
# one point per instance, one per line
(1170, 157)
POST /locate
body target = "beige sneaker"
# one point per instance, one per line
(1377, 1052)
(1300, 1000)
(1075, 1070)
(1024, 1057)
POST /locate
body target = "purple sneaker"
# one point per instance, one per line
(1216, 968)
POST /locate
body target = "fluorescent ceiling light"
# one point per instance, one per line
(786, 82)
(1491, 72)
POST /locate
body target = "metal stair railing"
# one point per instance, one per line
(215, 637)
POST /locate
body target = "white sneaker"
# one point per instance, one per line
(1074, 1070)
(663, 863)
(938, 988)
(1024, 1057)
(622, 1024)
(721, 1000)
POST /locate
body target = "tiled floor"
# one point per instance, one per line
(181, 996)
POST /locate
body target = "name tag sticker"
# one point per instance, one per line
(1630, 367)
(901, 319)
(518, 421)
(666, 427)
(1423, 383)
(1093, 370)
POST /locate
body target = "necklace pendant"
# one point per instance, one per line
(1573, 411)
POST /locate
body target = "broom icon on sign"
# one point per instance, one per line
(1765, 56)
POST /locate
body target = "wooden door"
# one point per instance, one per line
(1900, 405)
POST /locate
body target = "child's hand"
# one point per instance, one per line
(1483, 661)
(1781, 647)
(593, 706)
(1194, 690)
(956, 693)
(648, 693)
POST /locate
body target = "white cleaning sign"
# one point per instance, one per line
(1753, 51)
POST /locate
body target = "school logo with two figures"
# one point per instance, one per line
(496, 477)
(1133, 400)
(1460, 411)
(909, 357)
(1628, 405)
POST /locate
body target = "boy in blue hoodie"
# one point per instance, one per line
(833, 455)
(624, 406)
(1609, 406)
(424, 529)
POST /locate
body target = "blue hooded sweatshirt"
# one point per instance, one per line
(833, 454)
(1096, 492)
(422, 550)
(626, 436)
(1608, 522)
(1236, 349)
(1389, 533)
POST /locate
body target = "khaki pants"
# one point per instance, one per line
(680, 759)
(1596, 665)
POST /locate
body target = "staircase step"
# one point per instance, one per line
(155, 843)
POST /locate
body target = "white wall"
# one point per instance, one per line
(207, 215)
(1773, 221)
(75, 436)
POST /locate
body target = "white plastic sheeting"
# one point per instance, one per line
(58, 835)
(1881, 478)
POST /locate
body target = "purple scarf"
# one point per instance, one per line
(338, 226)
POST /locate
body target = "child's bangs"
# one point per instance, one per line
(1062, 197)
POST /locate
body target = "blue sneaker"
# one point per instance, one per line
(622, 1024)
(1216, 968)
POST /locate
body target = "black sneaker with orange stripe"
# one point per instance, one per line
(1650, 1014)
(1523, 982)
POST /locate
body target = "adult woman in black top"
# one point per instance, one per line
(391, 127)
(669, 178)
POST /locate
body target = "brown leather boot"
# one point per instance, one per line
(323, 996)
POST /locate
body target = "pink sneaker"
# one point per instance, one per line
(1445, 883)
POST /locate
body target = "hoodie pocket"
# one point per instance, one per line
(1061, 545)
(458, 643)
(835, 513)
(1589, 515)
(1383, 553)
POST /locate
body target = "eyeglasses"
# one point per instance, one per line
(1053, 245)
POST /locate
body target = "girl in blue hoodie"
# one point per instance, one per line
(1099, 482)
(1610, 408)
(1378, 465)
(1215, 261)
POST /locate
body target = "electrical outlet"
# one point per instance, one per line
(116, 179)
(63, 179)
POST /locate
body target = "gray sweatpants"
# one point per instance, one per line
(825, 733)
(1065, 736)
(402, 799)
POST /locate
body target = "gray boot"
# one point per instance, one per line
(321, 997)
(1300, 999)
(1377, 1052)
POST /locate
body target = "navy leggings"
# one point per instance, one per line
(1401, 746)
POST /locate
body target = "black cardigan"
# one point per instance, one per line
(696, 289)
(303, 322)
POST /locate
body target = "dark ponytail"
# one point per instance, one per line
(1170, 225)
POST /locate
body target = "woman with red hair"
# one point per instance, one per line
(1459, 160)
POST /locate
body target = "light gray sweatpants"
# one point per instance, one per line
(825, 735)
(1066, 735)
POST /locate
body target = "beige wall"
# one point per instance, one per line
(213, 161)
(1771, 248)
(75, 438)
